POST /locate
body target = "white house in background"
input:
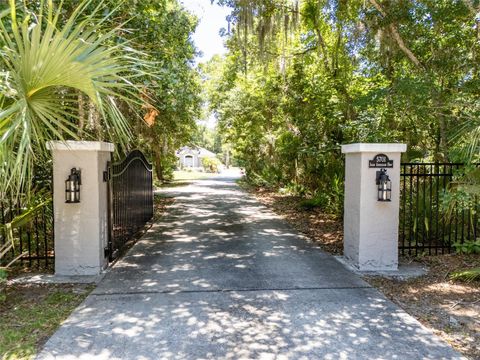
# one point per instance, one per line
(191, 157)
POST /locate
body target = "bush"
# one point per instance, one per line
(267, 177)
(320, 200)
(329, 200)
(467, 247)
(293, 189)
(211, 164)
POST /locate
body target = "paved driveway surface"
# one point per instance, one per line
(222, 277)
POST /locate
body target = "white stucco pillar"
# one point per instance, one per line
(371, 226)
(81, 229)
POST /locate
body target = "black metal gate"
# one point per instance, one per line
(130, 200)
(424, 226)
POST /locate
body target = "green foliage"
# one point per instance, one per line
(211, 164)
(297, 83)
(463, 191)
(166, 161)
(328, 201)
(293, 189)
(467, 247)
(162, 30)
(466, 275)
(108, 70)
(47, 62)
(319, 201)
(209, 139)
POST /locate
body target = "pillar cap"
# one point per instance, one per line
(374, 148)
(70, 145)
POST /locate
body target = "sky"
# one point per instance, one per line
(212, 18)
(207, 38)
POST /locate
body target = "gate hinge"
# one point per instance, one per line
(106, 176)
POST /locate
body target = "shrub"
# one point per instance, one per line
(293, 189)
(211, 164)
(321, 200)
(329, 200)
(467, 247)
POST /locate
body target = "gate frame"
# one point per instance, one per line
(135, 154)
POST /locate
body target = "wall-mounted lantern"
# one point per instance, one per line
(72, 186)
(384, 186)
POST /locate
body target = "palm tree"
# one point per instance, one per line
(46, 65)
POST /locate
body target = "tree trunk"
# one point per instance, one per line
(322, 46)
(442, 154)
(227, 158)
(397, 37)
(157, 154)
(94, 120)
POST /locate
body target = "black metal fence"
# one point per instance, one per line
(32, 239)
(130, 190)
(425, 225)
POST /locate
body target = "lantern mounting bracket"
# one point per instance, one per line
(379, 175)
(79, 173)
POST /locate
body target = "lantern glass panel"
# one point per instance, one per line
(77, 194)
(72, 187)
(384, 186)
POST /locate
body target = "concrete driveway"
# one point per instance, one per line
(222, 277)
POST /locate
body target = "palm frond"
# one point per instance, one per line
(466, 275)
(43, 62)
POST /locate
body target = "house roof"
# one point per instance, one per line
(205, 153)
(201, 152)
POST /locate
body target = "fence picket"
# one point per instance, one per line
(130, 199)
(424, 226)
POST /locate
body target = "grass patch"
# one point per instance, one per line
(30, 314)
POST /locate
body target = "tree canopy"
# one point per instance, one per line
(94, 70)
(303, 77)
